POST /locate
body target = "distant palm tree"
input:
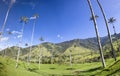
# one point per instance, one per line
(53, 53)
(40, 53)
(41, 39)
(4, 51)
(0, 33)
(111, 21)
(23, 20)
(109, 35)
(6, 17)
(33, 29)
(70, 58)
(9, 33)
(96, 16)
(97, 34)
(74, 46)
(26, 44)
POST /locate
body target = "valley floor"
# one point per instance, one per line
(7, 68)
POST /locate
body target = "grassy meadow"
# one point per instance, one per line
(7, 68)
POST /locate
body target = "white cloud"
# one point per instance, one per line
(16, 32)
(19, 36)
(59, 36)
(31, 18)
(4, 39)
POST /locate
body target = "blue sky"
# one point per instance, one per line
(60, 20)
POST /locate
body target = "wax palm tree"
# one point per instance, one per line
(96, 16)
(9, 34)
(26, 44)
(70, 58)
(109, 35)
(33, 29)
(41, 39)
(7, 43)
(40, 53)
(97, 34)
(23, 20)
(53, 53)
(0, 33)
(72, 49)
(111, 21)
(6, 17)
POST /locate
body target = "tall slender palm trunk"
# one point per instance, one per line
(40, 56)
(70, 60)
(5, 20)
(52, 57)
(97, 34)
(114, 29)
(4, 51)
(116, 37)
(109, 35)
(20, 42)
(29, 58)
(41, 52)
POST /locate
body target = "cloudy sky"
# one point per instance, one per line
(59, 20)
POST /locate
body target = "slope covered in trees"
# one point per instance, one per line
(82, 50)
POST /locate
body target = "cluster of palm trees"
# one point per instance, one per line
(41, 51)
(25, 20)
(111, 20)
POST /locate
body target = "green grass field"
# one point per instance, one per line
(7, 68)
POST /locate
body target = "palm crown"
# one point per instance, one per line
(111, 20)
(41, 39)
(96, 16)
(24, 19)
(36, 16)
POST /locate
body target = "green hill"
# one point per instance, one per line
(85, 50)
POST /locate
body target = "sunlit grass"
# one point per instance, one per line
(85, 69)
